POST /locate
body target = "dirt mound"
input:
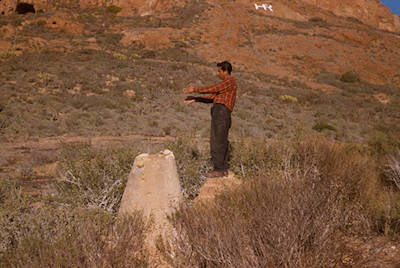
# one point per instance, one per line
(215, 186)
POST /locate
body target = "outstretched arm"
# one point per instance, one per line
(189, 89)
(217, 88)
(190, 99)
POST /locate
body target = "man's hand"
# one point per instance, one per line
(189, 89)
(188, 101)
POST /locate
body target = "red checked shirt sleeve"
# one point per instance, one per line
(224, 92)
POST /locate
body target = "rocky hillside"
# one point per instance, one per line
(298, 39)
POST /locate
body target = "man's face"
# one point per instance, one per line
(221, 74)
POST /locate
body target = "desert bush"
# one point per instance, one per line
(320, 126)
(393, 169)
(319, 22)
(76, 227)
(286, 217)
(350, 77)
(12, 205)
(249, 158)
(93, 178)
(381, 142)
(113, 9)
(120, 56)
(61, 237)
(386, 214)
(191, 162)
(315, 19)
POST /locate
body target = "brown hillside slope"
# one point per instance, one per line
(370, 12)
(296, 41)
(299, 39)
(373, 13)
(129, 7)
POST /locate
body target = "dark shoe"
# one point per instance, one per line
(216, 174)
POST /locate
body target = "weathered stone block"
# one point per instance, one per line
(153, 188)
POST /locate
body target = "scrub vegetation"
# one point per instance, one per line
(319, 168)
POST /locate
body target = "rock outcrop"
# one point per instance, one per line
(129, 7)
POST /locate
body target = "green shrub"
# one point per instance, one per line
(350, 77)
(382, 143)
(113, 9)
(320, 126)
(119, 56)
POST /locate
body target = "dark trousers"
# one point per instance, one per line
(219, 144)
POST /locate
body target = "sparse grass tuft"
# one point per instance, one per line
(120, 56)
(288, 98)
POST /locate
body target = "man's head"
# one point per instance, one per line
(224, 69)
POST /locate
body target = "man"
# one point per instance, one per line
(223, 97)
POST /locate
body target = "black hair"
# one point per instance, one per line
(225, 66)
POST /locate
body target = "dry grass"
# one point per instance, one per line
(81, 238)
(393, 169)
(295, 199)
(93, 178)
(288, 215)
(76, 227)
(192, 163)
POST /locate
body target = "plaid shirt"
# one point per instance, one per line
(223, 92)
